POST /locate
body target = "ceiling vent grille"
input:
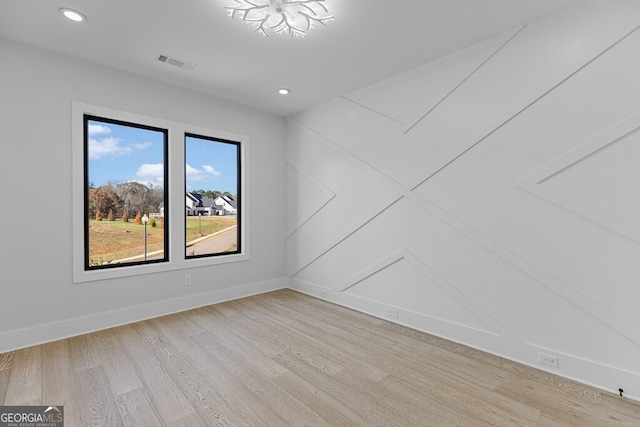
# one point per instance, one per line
(176, 62)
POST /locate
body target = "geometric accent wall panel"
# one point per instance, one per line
(402, 285)
(306, 196)
(423, 216)
(599, 180)
(343, 196)
(407, 97)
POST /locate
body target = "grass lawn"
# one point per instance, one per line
(114, 240)
(209, 225)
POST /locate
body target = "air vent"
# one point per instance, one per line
(176, 62)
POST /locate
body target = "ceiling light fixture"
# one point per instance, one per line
(294, 17)
(284, 91)
(73, 15)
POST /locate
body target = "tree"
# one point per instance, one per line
(98, 215)
(110, 215)
(211, 194)
(137, 197)
(103, 199)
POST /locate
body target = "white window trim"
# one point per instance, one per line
(175, 204)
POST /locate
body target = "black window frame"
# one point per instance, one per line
(238, 200)
(86, 185)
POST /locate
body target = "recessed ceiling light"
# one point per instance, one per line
(73, 15)
(284, 91)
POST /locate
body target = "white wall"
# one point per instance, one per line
(38, 301)
(491, 197)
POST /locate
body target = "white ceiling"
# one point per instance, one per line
(368, 41)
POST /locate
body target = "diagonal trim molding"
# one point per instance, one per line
(591, 308)
(416, 121)
(323, 189)
(492, 325)
(533, 182)
(517, 108)
(406, 125)
(616, 323)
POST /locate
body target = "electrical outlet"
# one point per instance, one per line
(547, 359)
(187, 280)
(393, 313)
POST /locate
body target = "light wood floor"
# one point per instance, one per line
(284, 358)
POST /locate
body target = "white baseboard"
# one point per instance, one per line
(27, 337)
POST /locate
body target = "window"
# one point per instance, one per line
(212, 209)
(128, 163)
(125, 193)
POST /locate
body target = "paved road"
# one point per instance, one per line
(214, 244)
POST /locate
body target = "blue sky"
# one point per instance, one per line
(211, 165)
(123, 153)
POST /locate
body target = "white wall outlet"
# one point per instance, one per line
(547, 359)
(393, 313)
(187, 280)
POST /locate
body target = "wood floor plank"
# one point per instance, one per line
(546, 420)
(121, 373)
(171, 329)
(226, 385)
(241, 344)
(407, 349)
(317, 340)
(499, 364)
(83, 355)
(328, 407)
(97, 404)
(494, 410)
(164, 394)
(25, 382)
(618, 405)
(284, 358)
(563, 406)
(135, 409)
(185, 323)
(6, 360)
(5, 374)
(211, 406)
(366, 406)
(103, 344)
(278, 339)
(191, 420)
(281, 402)
(318, 422)
(58, 381)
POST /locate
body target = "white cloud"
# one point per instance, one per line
(207, 173)
(142, 145)
(105, 147)
(148, 169)
(110, 146)
(151, 173)
(191, 172)
(98, 130)
(210, 170)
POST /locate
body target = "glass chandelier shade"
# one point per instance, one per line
(293, 17)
